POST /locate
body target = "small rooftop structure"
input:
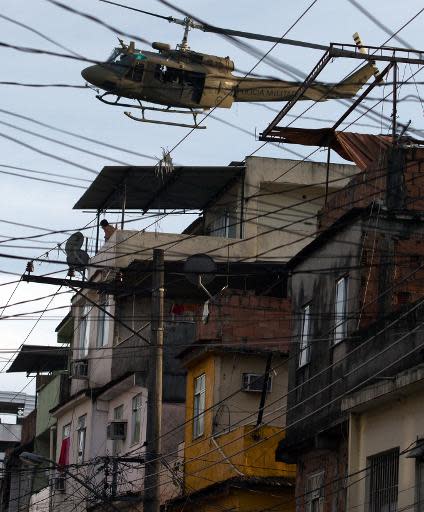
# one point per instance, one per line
(251, 201)
(13, 403)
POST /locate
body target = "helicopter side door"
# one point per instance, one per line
(193, 85)
(164, 85)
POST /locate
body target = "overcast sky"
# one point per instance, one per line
(48, 206)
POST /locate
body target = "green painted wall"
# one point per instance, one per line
(48, 397)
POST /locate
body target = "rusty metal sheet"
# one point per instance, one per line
(362, 149)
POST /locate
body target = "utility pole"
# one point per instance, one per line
(154, 385)
(394, 114)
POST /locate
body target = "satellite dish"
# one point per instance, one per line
(200, 269)
(75, 257)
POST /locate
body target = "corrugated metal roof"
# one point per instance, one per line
(190, 188)
(39, 358)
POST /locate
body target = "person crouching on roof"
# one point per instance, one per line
(107, 228)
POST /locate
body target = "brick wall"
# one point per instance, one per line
(28, 427)
(392, 274)
(376, 184)
(334, 464)
(245, 318)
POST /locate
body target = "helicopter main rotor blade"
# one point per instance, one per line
(262, 37)
(225, 31)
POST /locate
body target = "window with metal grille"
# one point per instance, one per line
(314, 496)
(419, 482)
(118, 414)
(382, 481)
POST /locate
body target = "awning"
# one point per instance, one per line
(39, 359)
(363, 149)
(143, 188)
(65, 330)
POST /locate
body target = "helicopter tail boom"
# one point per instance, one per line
(256, 89)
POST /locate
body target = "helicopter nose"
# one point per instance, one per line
(93, 75)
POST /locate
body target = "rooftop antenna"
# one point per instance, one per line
(200, 269)
(76, 258)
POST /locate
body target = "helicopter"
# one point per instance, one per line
(183, 81)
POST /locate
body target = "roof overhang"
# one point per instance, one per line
(39, 359)
(361, 148)
(145, 188)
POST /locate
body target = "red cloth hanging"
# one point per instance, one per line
(64, 452)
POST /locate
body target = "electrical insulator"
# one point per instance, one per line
(30, 267)
(119, 277)
(71, 272)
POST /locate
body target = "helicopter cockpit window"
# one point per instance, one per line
(116, 55)
(136, 73)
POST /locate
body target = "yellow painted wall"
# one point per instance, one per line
(241, 451)
(255, 500)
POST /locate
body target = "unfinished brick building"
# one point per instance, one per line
(357, 295)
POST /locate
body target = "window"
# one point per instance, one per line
(103, 321)
(419, 482)
(225, 224)
(64, 448)
(66, 431)
(114, 57)
(305, 340)
(340, 310)
(118, 414)
(382, 481)
(136, 72)
(136, 418)
(81, 433)
(314, 497)
(199, 405)
(84, 331)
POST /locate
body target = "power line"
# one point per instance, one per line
(65, 144)
(97, 20)
(48, 154)
(77, 135)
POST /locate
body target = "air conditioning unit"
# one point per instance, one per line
(59, 483)
(255, 382)
(80, 369)
(117, 430)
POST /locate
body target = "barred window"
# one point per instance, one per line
(314, 496)
(382, 481)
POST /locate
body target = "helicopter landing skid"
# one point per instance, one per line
(167, 110)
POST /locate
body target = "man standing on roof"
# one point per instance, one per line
(107, 228)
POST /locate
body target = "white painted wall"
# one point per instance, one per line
(397, 423)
